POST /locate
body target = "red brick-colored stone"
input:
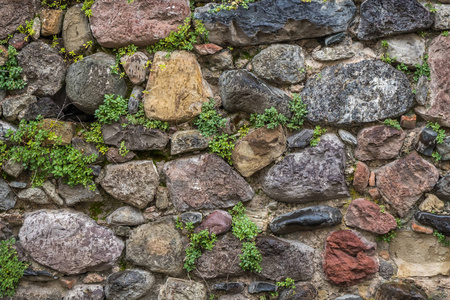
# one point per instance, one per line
(421, 229)
(408, 122)
(361, 179)
(375, 194)
(372, 179)
(207, 49)
(217, 222)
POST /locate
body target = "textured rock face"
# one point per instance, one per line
(87, 82)
(283, 20)
(134, 182)
(334, 53)
(34, 195)
(408, 49)
(205, 181)
(377, 15)
(42, 81)
(15, 108)
(176, 87)
(127, 215)
(22, 11)
(437, 107)
(302, 291)
(76, 30)
(398, 291)
(281, 257)
(228, 287)
(403, 181)
(116, 23)
(443, 188)
(176, 289)
(280, 64)
(51, 21)
(256, 287)
(301, 139)
(77, 194)
(348, 258)
(4, 128)
(379, 142)
(44, 107)
(362, 176)
(7, 196)
(135, 67)
(157, 246)
(440, 222)
(362, 92)
(128, 284)
(187, 141)
(443, 149)
(309, 218)
(419, 255)
(367, 215)
(313, 174)
(258, 149)
(69, 242)
(86, 292)
(217, 222)
(441, 20)
(240, 90)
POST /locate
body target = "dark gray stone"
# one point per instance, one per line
(352, 94)
(256, 287)
(38, 275)
(386, 269)
(443, 188)
(302, 291)
(336, 38)
(191, 217)
(381, 18)
(312, 174)
(439, 222)
(270, 21)
(88, 80)
(443, 149)
(308, 218)
(44, 107)
(427, 141)
(347, 137)
(301, 139)
(7, 196)
(128, 284)
(136, 137)
(15, 13)
(85, 292)
(96, 170)
(398, 291)
(241, 91)
(77, 194)
(135, 99)
(187, 141)
(228, 287)
(4, 128)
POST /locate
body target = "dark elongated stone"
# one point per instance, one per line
(228, 287)
(309, 218)
(427, 141)
(440, 222)
(301, 139)
(261, 287)
(443, 188)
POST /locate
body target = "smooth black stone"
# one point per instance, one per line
(443, 188)
(427, 141)
(192, 217)
(301, 139)
(228, 287)
(39, 275)
(439, 222)
(261, 287)
(337, 38)
(309, 218)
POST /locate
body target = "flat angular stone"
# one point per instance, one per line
(379, 142)
(243, 26)
(39, 291)
(306, 219)
(76, 32)
(301, 139)
(7, 196)
(205, 182)
(207, 49)
(77, 194)
(398, 291)
(357, 93)
(256, 287)
(408, 49)
(127, 215)
(69, 242)
(228, 287)
(34, 195)
(85, 292)
(361, 177)
(339, 52)
(312, 174)
(175, 289)
(187, 141)
(129, 284)
(347, 137)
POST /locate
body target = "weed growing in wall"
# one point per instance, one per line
(392, 123)
(11, 269)
(11, 72)
(317, 133)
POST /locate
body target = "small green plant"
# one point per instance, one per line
(392, 123)
(445, 33)
(441, 238)
(87, 4)
(27, 29)
(388, 237)
(58, 4)
(94, 135)
(384, 44)
(139, 118)
(120, 52)
(318, 132)
(288, 283)
(243, 131)
(209, 121)
(11, 269)
(422, 70)
(402, 67)
(113, 107)
(387, 59)
(437, 157)
(430, 7)
(440, 132)
(123, 151)
(223, 145)
(299, 111)
(270, 118)
(250, 258)
(231, 5)
(382, 209)
(11, 72)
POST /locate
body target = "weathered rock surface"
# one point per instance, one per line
(52, 20)
(135, 67)
(258, 149)
(339, 52)
(117, 23)
(377, 15)
(187, 141)
(133, 182)
(39, 291)
(362, 92)
(418, 254)
(127, 215)
(157, 246)
(63, 130)
(15, 108)
(443, 149)
(242, 26)
(302, 291)
(312, 174)
(347, 137)
(207, 49)
(349, 297)
(427, 141)
(228, 287)
(403, 181)
(175, 289)
(69, 242)
(77, 194)
(281, 257)
(256, 287)
(136, 137)
(191, 217)
(408, 49)
(443, 188)
(12, 168)
(398, 291)
(88, 80)
(439, 222)
(280, 64)
(42, 81)
(44, 107)
(437, 107)
(85, 292)
(87, 148)
(7, 196)
(129, 284)
(176, 88)
(348, 258)
(432, 204)
(241, 91)
(217, 222)
(76, 32)
(4, 128)
(301, 139)
(35, 195)
(442, 17)
(361, 178)
(379, 142)
(205, 181)
(21, 10)
(305, 219)
(367, 215)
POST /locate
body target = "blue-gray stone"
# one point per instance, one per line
(228, 287)
(191, 217)
(336, 38)
(7, 196)
(301, 139)
(349, 297)
(261, 287)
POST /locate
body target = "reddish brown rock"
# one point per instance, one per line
(18, 41)
(367, 215)
(403, 181)
(113, 155)
(52, 20)
(437, 107)
(372, 179)
(379, 142)
(408, 122)
(421, 229)
(348, 258)
(93, 278)
(207, 49)
(117, 23)
(217, 222)
(374, 193)
(361, 179)
(15, 13)
(68, 283)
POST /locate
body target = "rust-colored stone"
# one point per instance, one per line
(375, 194)
(384, 254)
(52, 20)
(379, 142)
(361, 179)
(68, 283)
(93, 278)
(421, 229)
(372, 179)
(207, 49)
(408, 122)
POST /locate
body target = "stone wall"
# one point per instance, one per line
(324, 211)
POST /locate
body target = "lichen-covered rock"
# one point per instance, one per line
(402, 182)
(176, 88)
(398, 291)
(133, 182)
(258, 149)
(35, 195)
(157, 246)
(241, 91)
(15, 13)
(442, 17)
(205, 181)
(42, 81)
(116, 23)
(177, 289)
(78, 193)
(408, 49)
(379, 142)
(268, 21)
(69, 242)
(362, 92)
(76, 32)
(443, 188)
(85, 292)
(129, 284)
(312, 174)
(187, 141)
(334, 53)
(88, 81)
(52, 20)
(135, 67)
(15, 108)
(377, 15)
(7, 196)
(61, 129)
(127, 215)
(348, 258)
